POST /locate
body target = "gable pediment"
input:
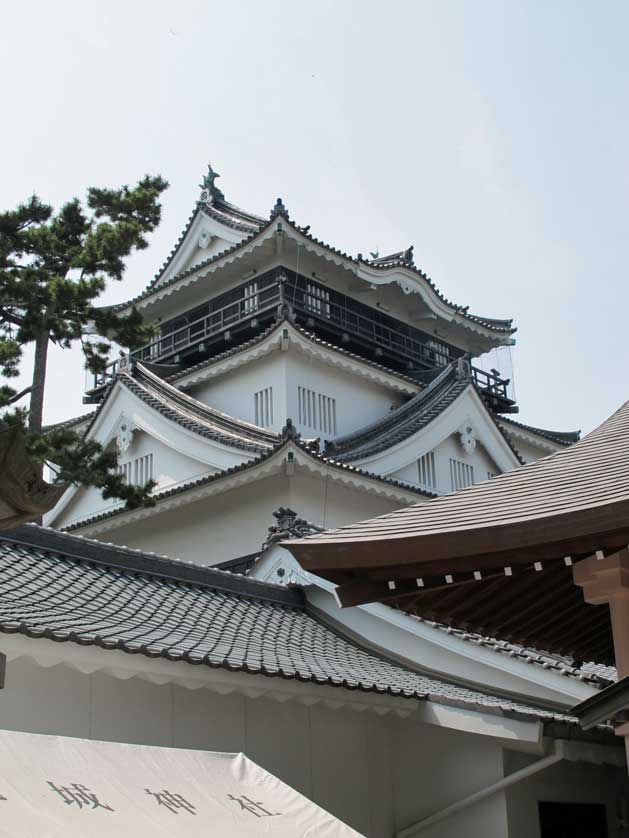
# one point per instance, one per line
(465, 431)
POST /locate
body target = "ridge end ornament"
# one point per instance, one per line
(209, 191)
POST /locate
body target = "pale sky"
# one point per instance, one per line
(494, 136)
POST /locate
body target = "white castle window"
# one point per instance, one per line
(251, 297)
(316, 411)
(461, 474)
(318, 299)
(137, 472)
(426, 470)
(440, 352)
(263, 407)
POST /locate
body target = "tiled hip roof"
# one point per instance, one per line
(73, 589)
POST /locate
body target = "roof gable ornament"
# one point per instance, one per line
(124, 437)
(279, 209)
(289, 525)
(209, 191)
(289, 431)
(467, 438)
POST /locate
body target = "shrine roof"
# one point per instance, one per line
(497, 557)
(71, 589)
(417, 413)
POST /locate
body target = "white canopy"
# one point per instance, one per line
(53, 786)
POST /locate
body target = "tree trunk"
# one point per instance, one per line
(36, 415)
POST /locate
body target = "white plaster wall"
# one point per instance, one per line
(169, 467)
(563, 782)
(236, 523)
(233, 393)
(377, 773)
(358, 402)
(528, 452)
(479, 459)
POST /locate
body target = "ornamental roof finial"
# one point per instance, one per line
(289, 431)
(210, 192)
(279, 209)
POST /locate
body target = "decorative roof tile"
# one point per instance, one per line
(504, 326)
(195, 415)
(77, 590)
(411, 417)
(309, 336)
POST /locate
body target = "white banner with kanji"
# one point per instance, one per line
(53, 786)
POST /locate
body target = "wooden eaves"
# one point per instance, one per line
(497, 557)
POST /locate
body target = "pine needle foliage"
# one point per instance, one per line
(54, 267)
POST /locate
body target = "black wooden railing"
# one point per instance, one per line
(341, 317)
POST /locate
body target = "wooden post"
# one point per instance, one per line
(606, 580)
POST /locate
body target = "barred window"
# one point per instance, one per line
(137, 472)
(316, 410)
(263, 407)
(318, 299)
(251, 297)
(426, 470)
(461, 475)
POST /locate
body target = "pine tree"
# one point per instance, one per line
(54, 266)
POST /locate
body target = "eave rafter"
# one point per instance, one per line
(409, 278)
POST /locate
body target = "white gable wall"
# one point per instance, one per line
(169, 467)
(357, 402)
(450, 449)
(233, 393)
(236, 523)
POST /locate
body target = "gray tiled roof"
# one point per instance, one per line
(561, 437)
(276, 325)
(404, 421)
(195, 415)
(78, 590)
(252, 226)
(197, 482)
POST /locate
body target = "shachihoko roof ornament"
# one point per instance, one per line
(210, 191)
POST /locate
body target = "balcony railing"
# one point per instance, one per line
(314, 304)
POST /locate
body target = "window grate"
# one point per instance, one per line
(316, 410)
(263, 407)
(137, 472)
(250, 297)
(461, 475)
(426, 470)
(318, 299)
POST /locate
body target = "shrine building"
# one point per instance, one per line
(293, 389)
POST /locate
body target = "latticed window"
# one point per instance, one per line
(461, 475)
(250, 296)
(439, 352)
(426, 470)
(318, 299)
(137, 472)
(316, 411)
(263, 407)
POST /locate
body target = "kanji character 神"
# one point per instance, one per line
(171, 801)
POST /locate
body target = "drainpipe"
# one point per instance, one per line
(511, 780)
